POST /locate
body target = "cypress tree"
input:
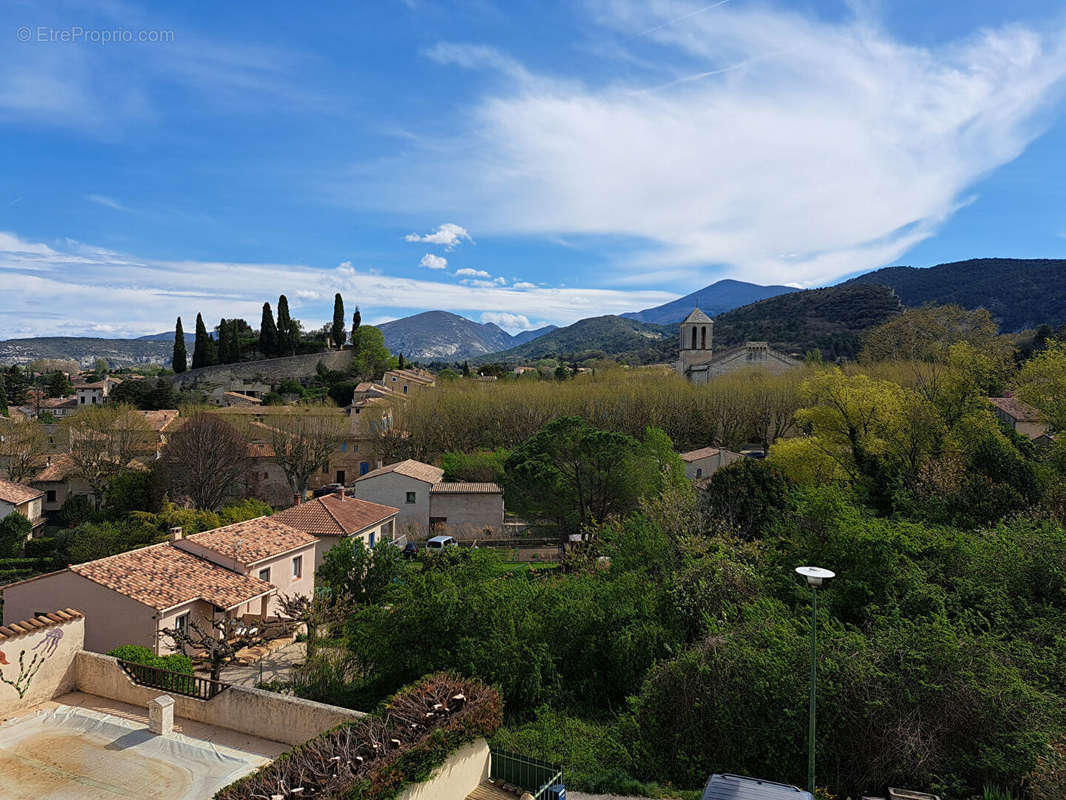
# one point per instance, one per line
(179, 361)
(466, 369)
(357, 318)
(268, 333)
(3, 396)
(400, 364)
(286, 341)
(223, 341)
(203, 351)
(337, 333)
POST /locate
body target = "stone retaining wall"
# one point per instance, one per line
(270, 371)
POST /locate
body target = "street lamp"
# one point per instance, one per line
(815, 577)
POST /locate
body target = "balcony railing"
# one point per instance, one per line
(528, 773)
(175, 682)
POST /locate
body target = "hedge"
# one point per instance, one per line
(376, 757)
(175, 662)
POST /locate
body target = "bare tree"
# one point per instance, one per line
(303, 441)
(204, 459)
(219, 641)
(22, 446)
(104, 439)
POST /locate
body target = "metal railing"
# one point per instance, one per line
(528, 773)
(176, 682)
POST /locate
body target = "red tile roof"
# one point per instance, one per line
(60, 468)
(163, 576)
(253, 540)
(332, 516)
(26, 626)
(462, 487)
(410, 468)
(16, 493)
(160, 420)
(703, 452)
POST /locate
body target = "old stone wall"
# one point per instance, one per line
(269, 371)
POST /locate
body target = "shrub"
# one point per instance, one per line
(175, 662)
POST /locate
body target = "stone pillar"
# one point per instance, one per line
(161, 715)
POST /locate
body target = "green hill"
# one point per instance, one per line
(829, 319)
(1020, 293)
(627, 340)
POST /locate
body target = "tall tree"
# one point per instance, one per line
(59, 385)
(103, 440)
(178, 361)
(23, 446)
(17, 383)
(286, 337)
(204, 459)
(203, 352)
(357, 320)
(370, 356)
(337, 332)
(268, 333)
(3, 395)
(400, 363)
(303, 441)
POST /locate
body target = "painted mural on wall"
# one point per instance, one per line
(27, 669)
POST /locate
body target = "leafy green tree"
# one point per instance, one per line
(268, 333)
(746, 497)
(178, 360)
(1041, 382)
(574, 474)
(337, 334)
(371, 358)
(59, 385)
(354, 573)
(14, 530)
(203, 352)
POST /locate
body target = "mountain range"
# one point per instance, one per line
(446, 337)
(719, 297)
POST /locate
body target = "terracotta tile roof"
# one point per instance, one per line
(23, 627)
(163, 576)
(59, 402)
(16, 493)
(330, 515)
(260, 450)
(410, 468)
(703, 452)
(253, 540)
(1022, 412)
(61, 467)
(462, 487)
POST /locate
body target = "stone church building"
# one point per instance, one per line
(699, 363)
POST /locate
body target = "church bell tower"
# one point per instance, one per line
(697, 331)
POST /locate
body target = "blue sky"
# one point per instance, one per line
(517, 162)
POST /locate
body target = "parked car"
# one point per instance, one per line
(410, 550)
(438, 543)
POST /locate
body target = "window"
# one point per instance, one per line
(364, 467)
(371, 538)
(394, 379)
(411, 497)
(181, 622)
(298, 567)
(264, 574)
(699, 472)
(81, 399)
(50, 496)
(405, 388)
(386, 529)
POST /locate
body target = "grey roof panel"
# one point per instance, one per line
(737, 787)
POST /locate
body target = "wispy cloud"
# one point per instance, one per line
(107, 202)
(467, 272)
(133, 295)
(780, 133)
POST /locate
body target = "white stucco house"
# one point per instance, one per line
(17, 498)
(706, 461)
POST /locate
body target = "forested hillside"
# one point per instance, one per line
(625, 339)
(1019, 293)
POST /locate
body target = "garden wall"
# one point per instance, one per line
(37, 659)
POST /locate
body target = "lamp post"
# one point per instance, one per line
(815, 577)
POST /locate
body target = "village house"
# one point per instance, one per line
(408, 381)
(129, 598)
(96, 393)
(334, 517)
(1021, 417)
(706, 461)
(426, 503)
(59, 480)
(17, 498)
(698, 362)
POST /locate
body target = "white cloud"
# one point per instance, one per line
(766, 133)
(430, 261)
(508, 321)
(449, 234)
(524, 285)
(67, 289)
(467, 272)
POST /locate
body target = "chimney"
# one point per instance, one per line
(296, 499)
(176, 534)
(340, 493)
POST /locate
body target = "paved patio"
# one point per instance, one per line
(277, 665)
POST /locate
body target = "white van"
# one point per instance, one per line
(438, 543)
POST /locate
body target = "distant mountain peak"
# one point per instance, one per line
(444, 336)
(717, 298)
